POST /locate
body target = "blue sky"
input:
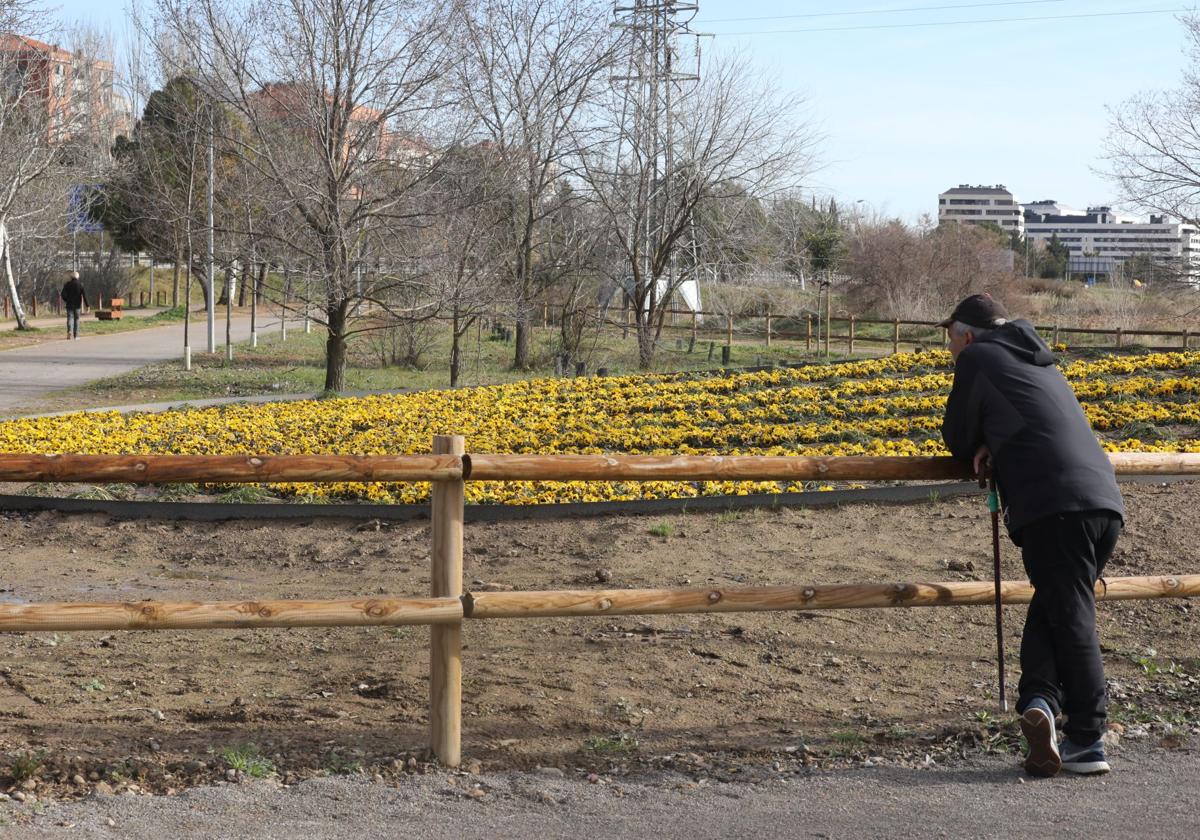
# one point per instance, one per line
(911, 110)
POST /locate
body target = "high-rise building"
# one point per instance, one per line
(979, 205)
(1099, 239)
(73, 92)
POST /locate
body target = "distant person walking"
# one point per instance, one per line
(74, 298)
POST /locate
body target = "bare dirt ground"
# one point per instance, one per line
(725, 697)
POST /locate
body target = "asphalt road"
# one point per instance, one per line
(1151, 793)
(29, 373)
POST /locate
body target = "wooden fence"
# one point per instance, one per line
(818, 334)
(448, 468)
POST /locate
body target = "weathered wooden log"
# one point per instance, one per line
(1155, 463)
(159, 615)
(764, 468)
(823, 597)
(445, 643)
(228, 469)
(233, 469)
(707, 468)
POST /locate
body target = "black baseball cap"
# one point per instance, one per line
(982, 311)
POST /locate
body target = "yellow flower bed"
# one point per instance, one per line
(889, 406)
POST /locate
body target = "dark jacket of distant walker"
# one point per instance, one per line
(73, 295)
(1009, 394)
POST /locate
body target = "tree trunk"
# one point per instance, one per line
(262, 280)
(247, 270)
(223, 298)
(524, 303)
(335, 349)
(455, 356)
(521, 359)
(18, 310)
(645, 340)
(175, 277)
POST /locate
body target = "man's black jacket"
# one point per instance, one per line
(1009, 395)
(73, 294)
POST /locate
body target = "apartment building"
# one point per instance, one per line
(74, 92)
(976, 205)
(1100, 239)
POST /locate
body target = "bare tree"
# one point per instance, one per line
(732, 133)
(900, 272)
(529, 71)
(1153, 153)
(340, 101)
(53, 131)
(1153, 144)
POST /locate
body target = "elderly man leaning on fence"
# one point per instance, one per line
(1011, 409)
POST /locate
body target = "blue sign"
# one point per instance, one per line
(78, 220)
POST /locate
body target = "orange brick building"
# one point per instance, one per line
(74, 92)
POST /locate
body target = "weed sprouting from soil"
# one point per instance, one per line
(247, 759)
(663, 529)
(26, 765)
(246, 494)
(620, 744)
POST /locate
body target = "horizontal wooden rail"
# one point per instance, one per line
(764, 468)
(156, 615)
(229, 469)
(1155, 463)
(771, 598)
(709, 468)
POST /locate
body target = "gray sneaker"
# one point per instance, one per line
(1037, 725)
(1087, 761)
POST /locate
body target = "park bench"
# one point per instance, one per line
(113, 313)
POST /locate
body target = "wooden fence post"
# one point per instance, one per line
(768, 327)
(6, 307)
(1120, 337)
(545, 314)
(851, 335)
(445, 641)
(33, 306)
(1187, 336)
(895, 336)
(807, 333)
(828, 319)
(694, 319)
(1054, 336)
(729, 330)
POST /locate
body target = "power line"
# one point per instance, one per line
(883, 11)
(958, 22)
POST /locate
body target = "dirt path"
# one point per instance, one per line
(31, 372)
(695, 694)
(1151, 794)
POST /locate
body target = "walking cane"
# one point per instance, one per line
(993, 501)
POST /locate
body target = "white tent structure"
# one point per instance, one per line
(686, 293)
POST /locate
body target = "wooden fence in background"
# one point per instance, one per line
(449, 467)
(818, 334)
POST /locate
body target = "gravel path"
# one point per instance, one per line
(29, 373)
(1150, 794)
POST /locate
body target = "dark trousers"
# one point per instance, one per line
(1064, 556)
(72, 323)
